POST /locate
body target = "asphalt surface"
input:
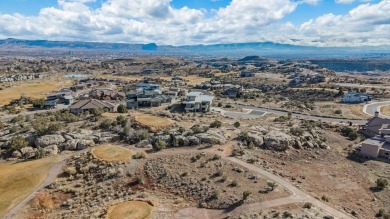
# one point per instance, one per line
(371, 108)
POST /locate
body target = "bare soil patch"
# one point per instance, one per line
(112, 153)
(210, 180)
(385, 110)
(130, 210)
(153, 121)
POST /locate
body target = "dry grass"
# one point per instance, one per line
(31, 89)
(112, 153)
(42, 201)
(114, 115)
(385, 110)
(153, 121)
(351, 111)
(130, 210)
(18, 180)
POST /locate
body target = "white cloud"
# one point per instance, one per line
(367, 24)
(349, 1)
(143, 21)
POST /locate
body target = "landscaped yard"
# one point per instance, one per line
(20, 179)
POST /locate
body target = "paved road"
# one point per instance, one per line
(52, 175)
(371, 108)
(298, 196)
(302, 116)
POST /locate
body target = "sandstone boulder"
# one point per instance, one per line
(278, 141)
(142, 144)
(82, 144)
(71, 145)
(51, 150)
(48, 140)
(28, 152)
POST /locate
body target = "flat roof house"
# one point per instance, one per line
(145, 98)
(198, 102)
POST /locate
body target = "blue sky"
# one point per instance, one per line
(178, 22)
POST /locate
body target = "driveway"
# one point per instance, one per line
(371, 108)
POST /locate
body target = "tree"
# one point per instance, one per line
(122, 109)
(97, 112)
(245, 195)
(272, 185)
(216, 124)
(18, 142)
(38, 103)
(381, 183)
(237, 124)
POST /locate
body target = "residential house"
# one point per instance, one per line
(63, 96)
(107, 94)
(148, 87)
(145, 98)
(198, 102)
(354, 97)
(373, 126)
(234, 92)
(175, 92)
(91, 105)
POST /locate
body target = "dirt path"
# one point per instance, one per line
(52, 175)
(298, 196)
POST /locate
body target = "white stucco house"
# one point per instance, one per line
(198, 102)
(353, 97)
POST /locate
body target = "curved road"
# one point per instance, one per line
(371, 108)
(298, 195)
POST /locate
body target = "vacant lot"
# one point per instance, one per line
(130, 210)
(153, 121)
(33, 90)
(112, 153)
(19, 179)
(351, 111)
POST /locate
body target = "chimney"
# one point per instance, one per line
(376, 114)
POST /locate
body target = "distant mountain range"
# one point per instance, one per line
(266, 49)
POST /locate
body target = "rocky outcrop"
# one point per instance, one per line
(50, 150)
(278, 141)
(282, 140)
(211, 138)
(48, 140)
